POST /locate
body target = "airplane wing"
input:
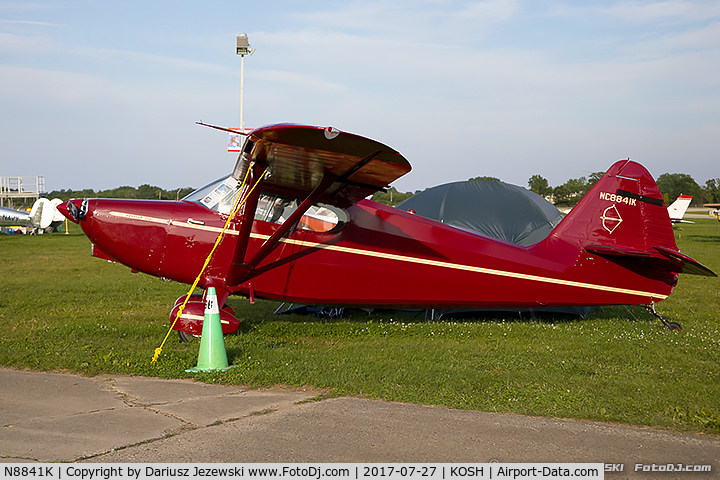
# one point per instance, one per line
(298, 157)
(10, 218)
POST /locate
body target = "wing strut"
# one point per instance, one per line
(239, 272)
(292, 220)
(257, 171)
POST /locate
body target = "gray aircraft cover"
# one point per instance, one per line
(495, 209)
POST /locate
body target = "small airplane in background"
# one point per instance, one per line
(715, 209)
(677, 210)
(300, 229)
(43, 215)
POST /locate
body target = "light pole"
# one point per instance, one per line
(243, 48)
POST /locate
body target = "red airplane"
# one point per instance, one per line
(304, 232)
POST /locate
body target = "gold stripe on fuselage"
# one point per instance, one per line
(407, 259)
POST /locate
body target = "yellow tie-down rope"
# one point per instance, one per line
(238, 204)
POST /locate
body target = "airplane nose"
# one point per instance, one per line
(62, 208)
(74, 210)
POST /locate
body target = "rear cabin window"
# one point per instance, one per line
(318, 218)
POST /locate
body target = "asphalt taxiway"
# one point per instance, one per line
(51, 417)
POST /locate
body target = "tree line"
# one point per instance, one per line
(671, 186)
(145, 191)
(566, 195)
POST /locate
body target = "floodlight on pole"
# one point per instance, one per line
(243, 48)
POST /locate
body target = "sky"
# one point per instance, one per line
(99, 94)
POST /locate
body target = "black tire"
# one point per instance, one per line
(185, 337)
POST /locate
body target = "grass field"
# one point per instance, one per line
(63, 310)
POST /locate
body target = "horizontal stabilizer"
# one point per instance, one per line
(617, 251)
(684, 263)
(689, 265)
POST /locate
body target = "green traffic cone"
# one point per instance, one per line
(212, 355)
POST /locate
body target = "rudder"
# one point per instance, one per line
(623, 209)
(623, 216)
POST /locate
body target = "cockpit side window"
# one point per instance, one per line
(318, 218)
(220, 196)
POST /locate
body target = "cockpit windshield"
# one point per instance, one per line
(221, 194)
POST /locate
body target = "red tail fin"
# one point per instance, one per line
(624, 217)
(624, 208)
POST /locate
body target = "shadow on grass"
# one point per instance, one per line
(712, 240)
(304, 314)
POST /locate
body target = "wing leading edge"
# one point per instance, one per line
(298, 157)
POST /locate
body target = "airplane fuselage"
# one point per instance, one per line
(381, 257)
